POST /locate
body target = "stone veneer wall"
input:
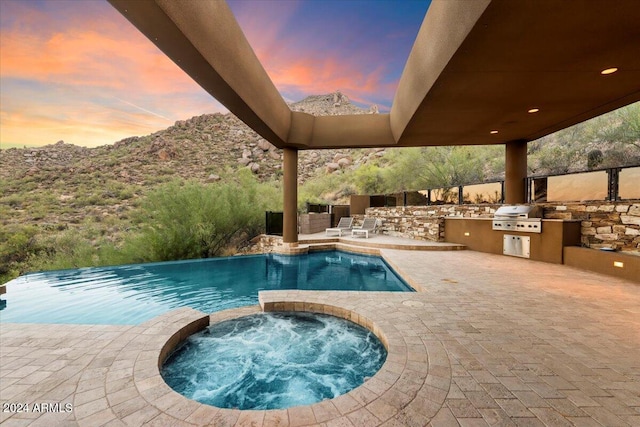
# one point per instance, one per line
(604, 224)
(313, 222)
(613, 225)
(410, 222)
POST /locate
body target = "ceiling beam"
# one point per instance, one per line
(203, 38)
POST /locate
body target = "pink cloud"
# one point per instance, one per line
(310, 76)
(300, 64)
(90, 78)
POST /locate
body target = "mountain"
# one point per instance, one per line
(64, 183)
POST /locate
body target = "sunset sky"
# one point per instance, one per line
(76, 70)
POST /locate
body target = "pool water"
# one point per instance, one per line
(274, 361)
(132, 294)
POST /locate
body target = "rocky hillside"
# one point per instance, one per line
(195, 148)
(106, 180)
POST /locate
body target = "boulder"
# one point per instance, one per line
(164, 154)
(344, 162)
(275, 155)
(332, 167)
(264, 145)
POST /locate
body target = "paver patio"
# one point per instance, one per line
(488, 340)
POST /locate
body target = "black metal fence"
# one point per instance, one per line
(274, 223)
(317, 208)
(610, 184)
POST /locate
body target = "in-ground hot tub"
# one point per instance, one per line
(274, 361)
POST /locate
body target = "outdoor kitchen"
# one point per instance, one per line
(518, 231)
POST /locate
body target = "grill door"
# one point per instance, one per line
(519, 246)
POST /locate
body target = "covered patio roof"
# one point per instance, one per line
(475, 67)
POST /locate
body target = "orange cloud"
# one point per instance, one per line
(87, 57)
(20, 129)
(92, 80)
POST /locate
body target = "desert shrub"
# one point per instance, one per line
(13, 200)
(369, 179)
(188, 219)
(67, 249)
(17, 245)
(594, 159)
(434, 167)
(327, 188)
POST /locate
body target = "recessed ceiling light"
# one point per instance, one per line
(608, 71)
(493, 132)
(533, 110)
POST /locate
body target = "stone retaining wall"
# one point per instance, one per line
(613, 225)
(409, 222)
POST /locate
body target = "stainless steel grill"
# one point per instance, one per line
(523, 218)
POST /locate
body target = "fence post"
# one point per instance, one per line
(613, 184)
(460, 195)
(501, 192)
(429, 197)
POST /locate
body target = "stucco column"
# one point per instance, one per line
(290, 211)
(515, 172)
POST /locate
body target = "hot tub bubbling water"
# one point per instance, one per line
(274, 361)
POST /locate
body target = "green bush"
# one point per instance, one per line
(187, 219)
(325, 189)
(67, 249)
(17, 244)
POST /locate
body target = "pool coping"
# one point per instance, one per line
(349, 245)
(410, 387)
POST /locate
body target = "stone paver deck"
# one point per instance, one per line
(488, 340)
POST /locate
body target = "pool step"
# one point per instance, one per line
(370, 248)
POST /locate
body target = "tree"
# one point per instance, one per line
(369, 179)
(434, 167)
(187, 219)
(621, 126)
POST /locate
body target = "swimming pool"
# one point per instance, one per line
(132, 294)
